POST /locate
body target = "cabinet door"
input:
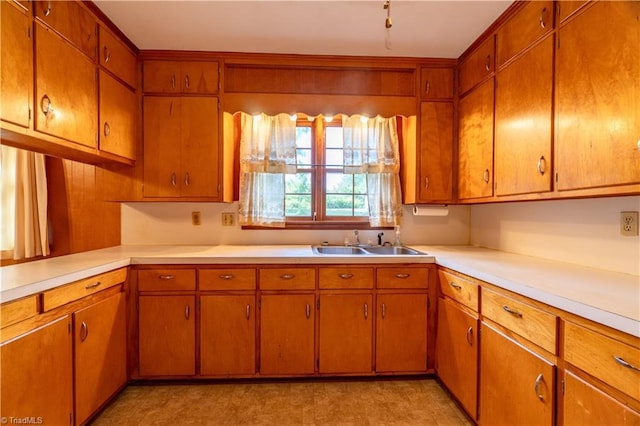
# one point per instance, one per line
(475, 163)
(584, 404)
(401, 333)
(167, 335)
(523, 123)
(478, 66)
(435, 155)
(597, 102)
(287, 324)
(37, 375)
(16, 64)
(516, 385)
(66, 96)
(199, 77)
(346, 333)
(457, 353)
(117, 118)
(100, 354)
(72, 21)
(161, 76)
(199, 150)
(161, 146)
(117, 58)
(227, 334)
(436, 83)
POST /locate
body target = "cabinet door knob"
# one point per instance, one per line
(46, 105)
(542, 165)
(384, 311)
(470, 336)
(536, 387)
(186, 81)
(542, 18)
(84, 331)
(173, 81)
(366, 311)
(187, 179)
(427, 87)
(107, 129)
(248, 312)
(485, 176)
(173, 179)
(487, 63)
(47, 11)
(426, 182)
(106, 53)
(186, 312)
(308, 311)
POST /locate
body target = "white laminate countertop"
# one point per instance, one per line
(609, 298)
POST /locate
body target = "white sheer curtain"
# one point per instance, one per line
(267, 153)
(24, 203)
(371, 146)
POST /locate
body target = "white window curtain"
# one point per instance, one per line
(371, 146)
(24, 203)
(267, 153)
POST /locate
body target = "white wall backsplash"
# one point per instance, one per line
(170, 223)
(584, 231)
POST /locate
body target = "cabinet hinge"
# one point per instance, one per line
(563, 386)
(318, 304)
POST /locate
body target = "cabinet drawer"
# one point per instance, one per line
(525, 320)
(531, 22)
(477, 66)
(166, 279)
(459, 289)
(436, 83)
(402, 278)
(287, 279)
(345, 277)
(117, 58)
(18, 310)
(607, 359)
(227, 279)
(62, 295)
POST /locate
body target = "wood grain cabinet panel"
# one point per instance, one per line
(478, 66)
(166, 279)
(346, 333)
(459, 289)
(345, 277)
(117, 118)
(565, 8)
(37, 374)
(66, 92)
(18, 310)
(227, 279)
(199, 77)
(227, 335)
(100, 343)
(180, 77)
(436, 83)
(16, 76)
(523, 126)
(62, 295)
(117, 58)
(435, 152)
(395, 277)
(287, 279)
(475, 138)
(597, 116)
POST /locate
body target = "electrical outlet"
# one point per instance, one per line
(195, 218)
(629, 224)
(228, 219)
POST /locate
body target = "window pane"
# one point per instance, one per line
(333, 137)
(360, 205)
(300, 183)
(303, 137)
(339, 205)
(339, 183)
(334, 158)
(360, 184)
(297, 205)
(303, 157)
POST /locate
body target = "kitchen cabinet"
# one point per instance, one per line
(37, 374)
(436, 83)
(523, 125)
(478, 66)
(117, 118)
(180, 77)
(66, 95)
(597, 116)
(117, 58)
(100, 361)
(16, 76)
(475, 138)
(181, 151)
(167, 335)
(287, 327)
(565, 8)
(517, 386)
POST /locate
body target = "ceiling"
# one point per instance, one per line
(437, 29)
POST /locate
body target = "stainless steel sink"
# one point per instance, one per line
(341, 250)
(360, 251)
(393, 250)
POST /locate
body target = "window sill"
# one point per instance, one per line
(316, 225)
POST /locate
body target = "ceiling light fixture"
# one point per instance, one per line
(387, 24)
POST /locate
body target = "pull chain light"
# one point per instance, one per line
(387, 24)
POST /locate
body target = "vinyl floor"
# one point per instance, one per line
(350, 402)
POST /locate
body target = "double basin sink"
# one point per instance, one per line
(366, 250)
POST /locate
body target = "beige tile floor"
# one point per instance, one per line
(349, 402)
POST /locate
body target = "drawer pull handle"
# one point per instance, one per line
(248, 311)
(173, 81)
(186, 312)
(485, 176)
(625, 364)
(542, 165)
(107, 54)
(46, 105)
(456, 286)
(426, 182)
(536, 387)
(47, 11)
(107, 129)
(84, 331)
(226, 277)
(186, 81)
(174, 182)
(346, 276)
(384, 311)
(366, 311)
(511, 311)
(427, 87)
(487, 63)
(166, 277)
(187, 179)
(308, 311)
(542, 19)
(402, 276)
(287, 276)
(94, 285)
(470, 336)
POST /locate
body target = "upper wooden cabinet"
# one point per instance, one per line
(117, 58)
(565, 8)
(180, 77)
(597, 104)
(16, 74)
(74, 22)
(478, 66)
(475, 156)
(434, 180)
(117, 117)
(523, 126)
(66, 90)
(436, 83)
(530, 23)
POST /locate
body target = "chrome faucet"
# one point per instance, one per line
(380, 234)
(357, 242)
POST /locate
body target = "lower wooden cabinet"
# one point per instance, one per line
(167, 335)
(401, 333)
(346, 333)
(227, 335)
(100, 354)
(517, 386)
(37, 378)
(287, 327)
(457, 353)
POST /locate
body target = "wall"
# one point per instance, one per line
(583, 231)
(170, 223)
